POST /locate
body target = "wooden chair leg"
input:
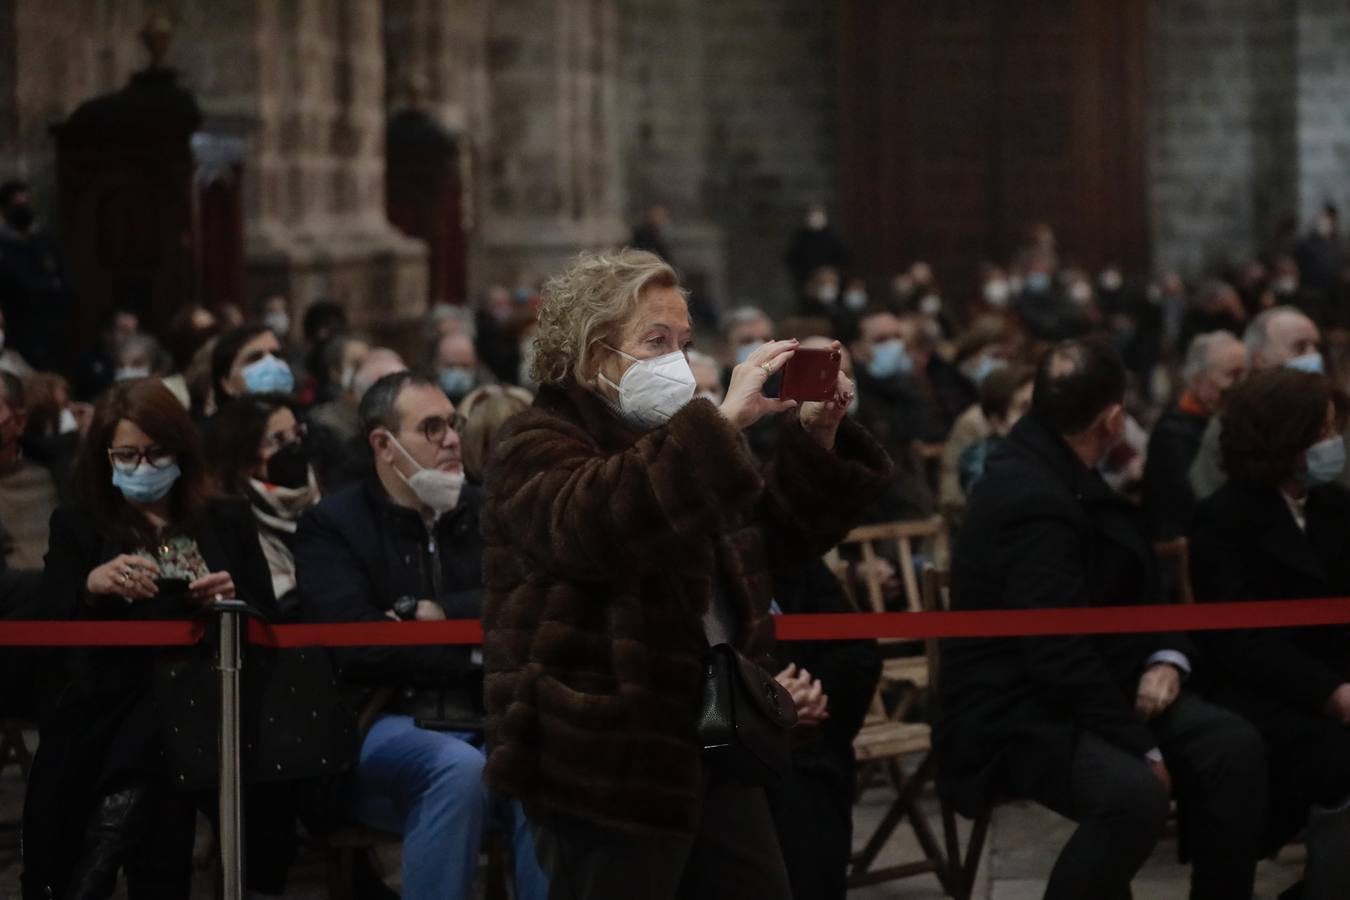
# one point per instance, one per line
(952, 838)
(905, 807)
(922, 830)
(974, 851)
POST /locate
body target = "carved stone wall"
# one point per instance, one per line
(551, 180)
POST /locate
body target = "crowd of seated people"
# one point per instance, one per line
(1058, 420)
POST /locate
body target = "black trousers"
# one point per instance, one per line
(1218, 768)
(813, 813)
(733, 855)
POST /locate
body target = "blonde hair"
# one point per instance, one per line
(484, 411)
(598, 293)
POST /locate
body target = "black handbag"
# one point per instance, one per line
(745, 719)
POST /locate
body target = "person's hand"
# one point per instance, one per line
(1160, 772)
(1338, 706)
(429, 611)
(821, 420)
(1158, 688)
(745, 403)
(209, 587)
(129, 576)
(808, 695)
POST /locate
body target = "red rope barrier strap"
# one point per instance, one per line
(99, 634)
(807, 627)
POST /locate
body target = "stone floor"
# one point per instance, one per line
(1023, 843)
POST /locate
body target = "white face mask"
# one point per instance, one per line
(130, 373)
(653, 390)
(278, 322)
(67, 422)
(436, 490)
(996, 293)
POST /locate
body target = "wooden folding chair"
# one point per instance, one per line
(887, 741)
(910, 540)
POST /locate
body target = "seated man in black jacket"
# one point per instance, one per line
(1096, 728)
(405, 544)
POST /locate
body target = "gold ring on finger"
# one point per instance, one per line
(767, 368)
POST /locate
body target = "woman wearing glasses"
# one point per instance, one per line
(146, 540)
(258, 450)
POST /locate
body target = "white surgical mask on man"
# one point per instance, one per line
(438, 491)
(653, 390)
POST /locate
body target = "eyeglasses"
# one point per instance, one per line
(433, 428)
(278, 439)
(127, 459)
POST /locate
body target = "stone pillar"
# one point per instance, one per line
(665, 132)
(1323, 141)
(1223, 167)
(434, 60)
(315, 201)
(552, 178)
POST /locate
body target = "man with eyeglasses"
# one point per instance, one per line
(405, 545)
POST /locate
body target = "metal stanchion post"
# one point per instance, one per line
(229, 660)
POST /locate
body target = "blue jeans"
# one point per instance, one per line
(428, 787)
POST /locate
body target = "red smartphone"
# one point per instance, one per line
(810, 376)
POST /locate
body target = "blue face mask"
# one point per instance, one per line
(1325, 460)
(456, 381)
(267, 376)
(145, 483)
(987, 365)
(744, 350)
(1308, 362)
(1037, 282)
(889, 358)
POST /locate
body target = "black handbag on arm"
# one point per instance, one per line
(745, 718)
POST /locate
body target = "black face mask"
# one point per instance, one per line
(20, 217)
(289, 466)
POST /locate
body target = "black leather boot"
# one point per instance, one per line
(115, 825)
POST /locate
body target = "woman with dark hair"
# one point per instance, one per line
(257, 450)
(146, 540)
(249, 360)
(1279, 530)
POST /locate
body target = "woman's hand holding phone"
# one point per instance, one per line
(821, 420)
(745, 403)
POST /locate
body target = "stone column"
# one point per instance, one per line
(434, 60)
(315, 203)
(665, 131)
(1323, 139)
(551, 174)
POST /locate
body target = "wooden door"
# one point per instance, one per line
(964, 122)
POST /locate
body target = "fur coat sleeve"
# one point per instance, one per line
(582, 511)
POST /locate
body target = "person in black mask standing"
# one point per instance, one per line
(258, 451)
(35, 293)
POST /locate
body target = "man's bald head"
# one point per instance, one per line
(1279, 335)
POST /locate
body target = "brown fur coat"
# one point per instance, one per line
(602, 546)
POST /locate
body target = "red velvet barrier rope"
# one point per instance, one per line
(808, 627)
